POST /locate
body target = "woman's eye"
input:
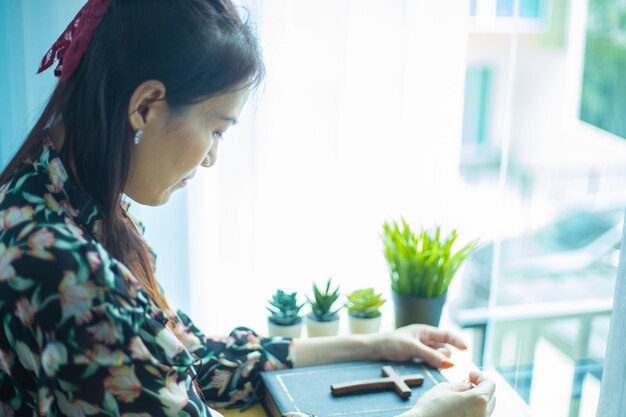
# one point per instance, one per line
(218, 135)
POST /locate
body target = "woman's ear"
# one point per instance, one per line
(143, 102)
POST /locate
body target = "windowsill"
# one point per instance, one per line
(508, 402)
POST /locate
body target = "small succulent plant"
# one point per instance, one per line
(284, 308)
(321, 306)
(364, 303)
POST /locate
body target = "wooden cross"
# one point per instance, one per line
(400, 383)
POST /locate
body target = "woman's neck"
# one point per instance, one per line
(57, 135)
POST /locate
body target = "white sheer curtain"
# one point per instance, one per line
(359, 121)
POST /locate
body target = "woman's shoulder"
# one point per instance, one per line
(56, 281)
(38, 237)
(28, 200)
(39, 223)
(46, 255)
(42, 259)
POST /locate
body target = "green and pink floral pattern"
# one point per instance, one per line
(79, 335)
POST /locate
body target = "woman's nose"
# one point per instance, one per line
(211, 157)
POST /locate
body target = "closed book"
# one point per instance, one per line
(308, 390)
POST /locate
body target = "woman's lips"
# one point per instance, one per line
(185, 180)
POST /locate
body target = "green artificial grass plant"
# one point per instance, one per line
(422, 264)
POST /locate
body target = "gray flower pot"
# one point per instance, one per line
(410, 309)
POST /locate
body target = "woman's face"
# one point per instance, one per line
(174, 145)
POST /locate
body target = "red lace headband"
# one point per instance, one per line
(73, 42)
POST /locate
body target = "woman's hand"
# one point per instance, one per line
(417, 341)
(473, 398)
(414, 341)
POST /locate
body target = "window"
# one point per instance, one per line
(603, 101)
(476, 110)
(537, 297)
(527, 8)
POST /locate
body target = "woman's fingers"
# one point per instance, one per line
(435, 336)
(425, 342)
(444, 351)
(483, 390)
(488, 386)
(482, 382)
(460, 386)
(433, 357)
(491, 405)
(474, 375)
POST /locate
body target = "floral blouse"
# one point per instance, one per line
(79, 335)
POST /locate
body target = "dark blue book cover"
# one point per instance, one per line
(308, 390)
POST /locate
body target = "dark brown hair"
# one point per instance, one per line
(197, 48)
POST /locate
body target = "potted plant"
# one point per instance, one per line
(284, 319)
(421, 267)
(364, 310)
(323, 320)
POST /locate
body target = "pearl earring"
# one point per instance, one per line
(138, 135)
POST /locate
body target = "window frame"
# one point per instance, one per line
(613, 388)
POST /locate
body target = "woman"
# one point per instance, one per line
(147, 89)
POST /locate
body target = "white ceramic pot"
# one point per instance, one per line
(360, 325)
(315, 328)
(292, 331)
